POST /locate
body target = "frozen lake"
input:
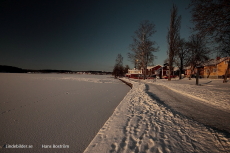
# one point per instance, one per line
(47, 111)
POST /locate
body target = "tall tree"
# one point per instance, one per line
(134, 59)
(118, 69)
(126, 68)
(173, 37)
(198, 53)
(142, 47)
(181, 56)
(212, 19)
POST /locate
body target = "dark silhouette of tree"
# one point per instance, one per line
(181, 56)
(126, 68)
(212, 19)
(134, 59)
(173, 37)
(198, 53)
(142, 47)
(11, 69)
(118, 69)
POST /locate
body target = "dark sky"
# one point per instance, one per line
(80, 34)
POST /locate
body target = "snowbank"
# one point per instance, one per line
(140, 124)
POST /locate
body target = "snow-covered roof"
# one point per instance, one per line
(151, 67)
(215, 61)
(175, 68)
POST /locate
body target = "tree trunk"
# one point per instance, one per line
(197, 76)
(192, 70)
(181, 68)
(169, 75)
(144, 73)
(180, 74)
(190, 75)
(208, 73)
(226, 73)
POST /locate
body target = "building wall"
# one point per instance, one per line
(216, 71)
(201, 71)
(134, 71)
(188, 72)
(151, 70)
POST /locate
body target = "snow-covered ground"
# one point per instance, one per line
(55, 110)
(141, 124)
(65, 110)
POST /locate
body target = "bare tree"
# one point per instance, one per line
(224, 50)
(173, 37)
(142, 47)
(198, 54)
(212, 19)
(181, 56)
(118, 69)
(134, 59)
(126, 68)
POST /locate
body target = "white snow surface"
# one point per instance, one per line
(85, 78)
(60, 109)
(140, 124)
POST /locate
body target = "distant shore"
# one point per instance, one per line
(13, 69)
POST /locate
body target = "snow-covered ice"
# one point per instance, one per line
(55, 109)
(141, 124)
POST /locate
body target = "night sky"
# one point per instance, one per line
(81, 35)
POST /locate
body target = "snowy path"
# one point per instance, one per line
(141, 124)
(190, 107)
(210, 92)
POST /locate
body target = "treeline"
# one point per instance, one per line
(119, 70)
(13, 69)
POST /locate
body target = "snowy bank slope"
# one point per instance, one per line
(140, 124)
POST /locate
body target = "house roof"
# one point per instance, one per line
(149, 67)
(176, 68)
(153, 67)
(211, 62)
(215, 61)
